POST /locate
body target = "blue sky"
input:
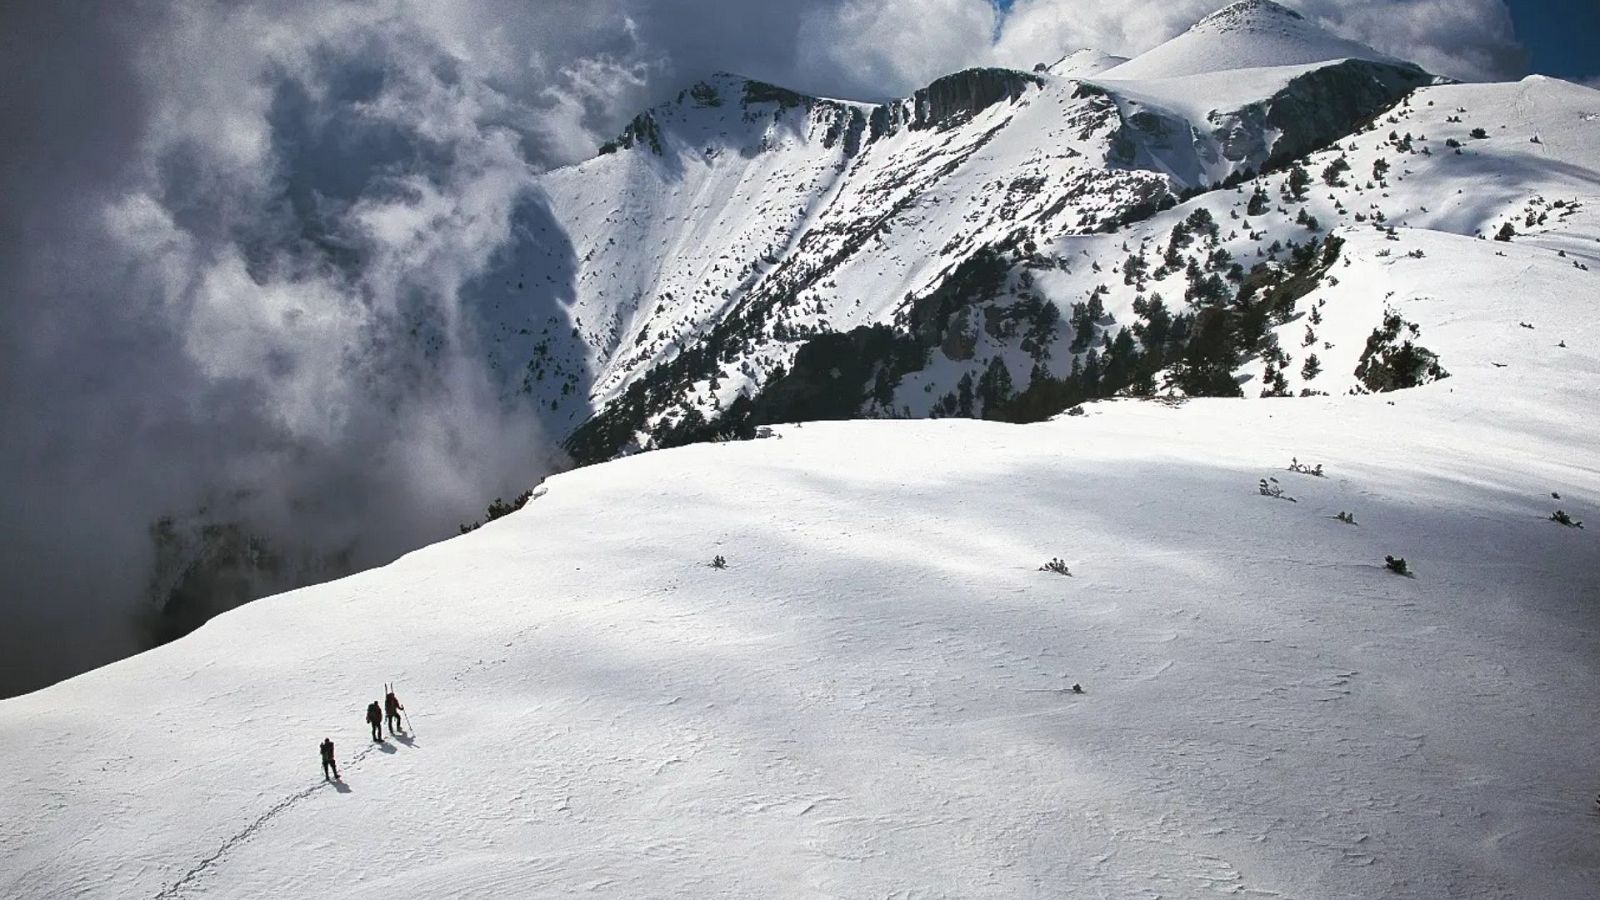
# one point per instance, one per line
(1562, 36)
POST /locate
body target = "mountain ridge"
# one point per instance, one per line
(1124, 167)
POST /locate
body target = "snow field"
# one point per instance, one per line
(873, 697)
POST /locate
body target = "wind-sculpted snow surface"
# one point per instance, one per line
(873, 695)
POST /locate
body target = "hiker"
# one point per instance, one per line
(391, 708)
(327, 760)
(375, 719)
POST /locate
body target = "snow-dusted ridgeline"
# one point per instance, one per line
(700, 251)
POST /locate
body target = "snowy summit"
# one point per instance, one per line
(1248, 34)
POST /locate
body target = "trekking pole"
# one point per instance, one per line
(389, 689)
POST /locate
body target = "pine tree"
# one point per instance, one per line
(1156, 322)
(1299, 180)
(1259, 203)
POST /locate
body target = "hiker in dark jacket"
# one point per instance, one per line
(375, 719)
(392, 707)
(327, 760)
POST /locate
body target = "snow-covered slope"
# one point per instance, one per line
(1249, 34)
(874, 698)
(1399, 189)
(1084, 63)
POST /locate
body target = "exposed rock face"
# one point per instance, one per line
(1313, 109)
(641, 132)
(957, 98)
(204, 568)
(760, 92)
(845, 123)
(1247, 14)
(1321, 105)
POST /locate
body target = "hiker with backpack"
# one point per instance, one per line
(392, 708)
(375, 719)
(328, 761)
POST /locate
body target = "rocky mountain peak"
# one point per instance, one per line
(1249, 15)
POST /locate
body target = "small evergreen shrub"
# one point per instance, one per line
(1396, 564)
(1346, 518)
(719, 562)
(1295, 465)
(1269, 487)
(499, 509)
(1056, 565)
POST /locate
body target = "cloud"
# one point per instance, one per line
(1472, 40)
(892, 46)
(240, 294)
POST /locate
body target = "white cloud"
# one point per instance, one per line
(896, 45)
(1472, 40)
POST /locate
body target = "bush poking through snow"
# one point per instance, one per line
(1396, 564)
(719, 562)
(1560, 517)
(1347, 518)
(1295, 465)
(499, 509)
(1057, 566)
(1269, 488)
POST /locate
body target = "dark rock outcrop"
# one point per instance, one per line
(1324, 105)
(641, 132)
(956, 98)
